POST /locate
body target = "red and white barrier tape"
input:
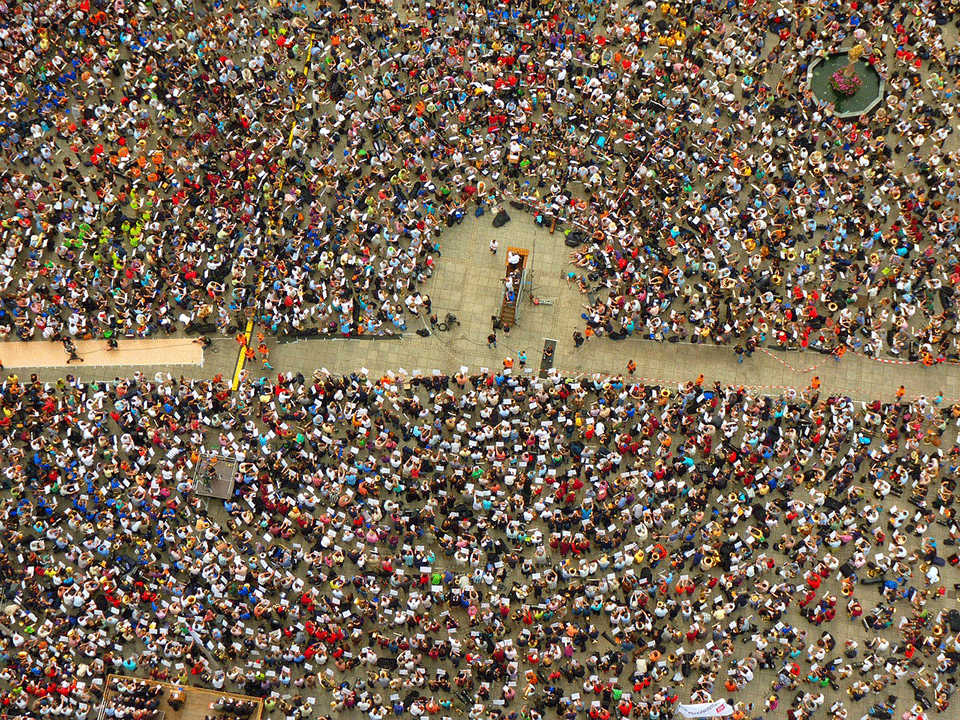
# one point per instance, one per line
(789, 366)
(672, 383)
(885, 360)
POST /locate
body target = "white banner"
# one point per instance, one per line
(718, 708)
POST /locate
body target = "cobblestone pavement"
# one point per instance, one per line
(468, 283)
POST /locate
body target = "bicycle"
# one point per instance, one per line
(449, 321)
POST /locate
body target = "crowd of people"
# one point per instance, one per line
(129, 699)
(774, 220)
(490, 545)
(186, 163)
(231, 708)
(493, 545)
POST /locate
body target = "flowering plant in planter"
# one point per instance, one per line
(845, 84)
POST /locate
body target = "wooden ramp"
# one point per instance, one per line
(508, 306)
(196, 701)
(130, 353)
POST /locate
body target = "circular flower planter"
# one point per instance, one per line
(863, 101)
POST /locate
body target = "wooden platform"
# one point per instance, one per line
(522, 252)
(197, 701)
(15, 354)
(508, 310)
(215, 476)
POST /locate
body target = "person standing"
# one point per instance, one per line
(492, 340)
(264, 355)
(631, 367)
(71, 349)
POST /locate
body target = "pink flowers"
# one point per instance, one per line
(844, 84)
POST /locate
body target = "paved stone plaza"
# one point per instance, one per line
(468, 284)
(445, 537)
